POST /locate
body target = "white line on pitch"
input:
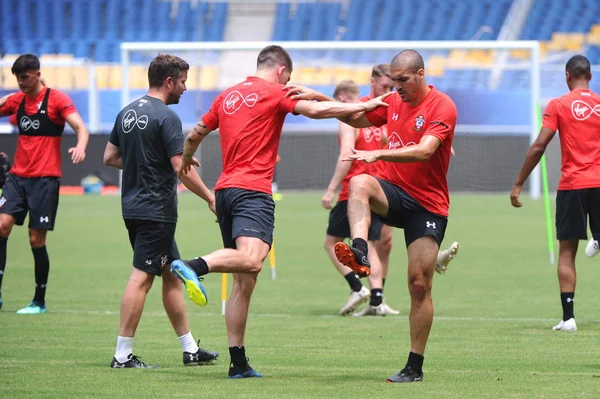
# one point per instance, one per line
(284, 315)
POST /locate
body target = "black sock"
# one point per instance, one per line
(199, 265)
(566, 299)
(238, 355)
(2, 259)
(42, 268)
(353, 281)
(376, 297)
(415, 362)
(361, 245)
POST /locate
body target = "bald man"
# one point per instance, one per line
(414, 193)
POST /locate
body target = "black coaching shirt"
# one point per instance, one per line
(148, 134)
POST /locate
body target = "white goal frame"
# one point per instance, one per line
(532, 46)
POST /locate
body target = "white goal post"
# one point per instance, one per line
(532, 65)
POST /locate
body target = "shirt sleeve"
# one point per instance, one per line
(172, 135)
(11, 106)
(550, 117)
(211, 117)
(378, 117)
(114, 136)
(64, 104)
(287, 105)
(443, 120)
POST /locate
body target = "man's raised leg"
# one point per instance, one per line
(366, 195)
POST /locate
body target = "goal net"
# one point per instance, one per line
(495, 85)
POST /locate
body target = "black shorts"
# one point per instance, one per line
(153, 245)
(572, 210)
(339, 226)
(37, 196)
(245, 213)
(407, 213)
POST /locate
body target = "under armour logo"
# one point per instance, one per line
(43, 111)
(394, 117)
(44, 219)
(430, 224)
(570, 300)
(194, 357)
(148, 262)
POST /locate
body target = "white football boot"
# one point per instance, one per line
(445, 256)
(592, 249)
(354, 300)
(568, 325)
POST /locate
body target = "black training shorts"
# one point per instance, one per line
(153, 245)
(572, 210)
(245, 213)
(37, 196)
(407, 213)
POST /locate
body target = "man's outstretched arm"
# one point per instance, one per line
(355, 119)
(420, 152)
(335, 109)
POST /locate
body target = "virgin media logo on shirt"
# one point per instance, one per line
(26, 124)
(130, 119)
(235, 100)
(395, 141)
(583, 111)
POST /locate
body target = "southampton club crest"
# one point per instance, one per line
(419, 123)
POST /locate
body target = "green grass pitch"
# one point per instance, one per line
(491, 338)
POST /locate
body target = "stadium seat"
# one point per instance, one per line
(209, 76)
(81, 77)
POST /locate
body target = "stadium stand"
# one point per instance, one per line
(93, 29)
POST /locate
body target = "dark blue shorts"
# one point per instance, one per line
(37, 196)
(339, 226)
(572, 210)
(407, 213)
(245, 213)
(153, 245)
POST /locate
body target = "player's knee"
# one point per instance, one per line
(5, 228)
(254, 266)
(418, 290)
(329, 242)
(37, 240)
(386, 244)
(359, 184)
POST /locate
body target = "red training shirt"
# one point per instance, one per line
(39, 156)
(435, 115)
(249, 117)
(576, 116)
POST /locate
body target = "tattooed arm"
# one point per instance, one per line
(190, 145)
